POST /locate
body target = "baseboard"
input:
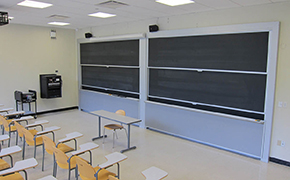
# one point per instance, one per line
(57, 110)
(279, 161)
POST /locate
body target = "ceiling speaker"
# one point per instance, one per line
(153, 28)
(88, 35)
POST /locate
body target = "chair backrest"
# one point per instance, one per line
(5, 123)
(19, 129)
(48, 144)
(29, 138)
(121, 112)
(61, 158)
(112, 178)
(86, 171)
(1, 117)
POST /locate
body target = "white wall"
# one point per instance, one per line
(26, 52)
(254, 14)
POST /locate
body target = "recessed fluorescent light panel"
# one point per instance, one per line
(34, 4)
(174, 2)
(102, 15)
(59, 23)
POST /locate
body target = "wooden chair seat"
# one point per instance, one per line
(33, 131)
(102, 175)
(4, 165)
(38, 141)
(64, 148)
(113, 126)
(87, 172)
(14, 176)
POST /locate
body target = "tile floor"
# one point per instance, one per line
(182, 159)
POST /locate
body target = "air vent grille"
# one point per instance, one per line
(112, 4)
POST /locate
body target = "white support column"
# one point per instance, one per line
(143, 88)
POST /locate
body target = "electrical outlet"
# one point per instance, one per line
(282, 143)
(284, 104)
(280, 104)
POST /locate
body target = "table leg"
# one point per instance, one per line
(128, 147)
(100, 136)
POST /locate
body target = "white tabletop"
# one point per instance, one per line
(10, 150)
(4, 137)
(24, 118)
(20, 166)
(37, 123)
(85, 147)
(6, 110)
(71, 136)
(154, 173)
(116, 117)
(48, 129)
(48, 178)
(14, 113)
(113, 159)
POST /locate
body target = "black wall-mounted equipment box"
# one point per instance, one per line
(153, 28)
(4, 18)
(50, 86)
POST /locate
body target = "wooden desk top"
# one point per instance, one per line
(48, 129)
(4, 137)
(71, 136)
(10, 150)
(50, 177)
(20, 166)
(85, 147)
(113, 159)
(154, 173)
(116, 117)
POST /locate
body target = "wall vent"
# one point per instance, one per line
(112, 4)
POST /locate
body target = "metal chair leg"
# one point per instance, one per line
(9, 139)
(69, 174)
(43, 153)
(23, 148)
(104, 136)
(114, 133)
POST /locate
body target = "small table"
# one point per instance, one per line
(6, 110)
(49, 130)
(50, 177)
(118, 118)
(69, 137)
(16, 113)
(87, 147)
(154, 173)
(21, 166)
(3, 138)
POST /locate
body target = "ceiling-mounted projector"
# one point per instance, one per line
(4, 18)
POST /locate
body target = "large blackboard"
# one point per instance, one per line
(111, 67)
(245, 52)
(111, 53)
(232, 76)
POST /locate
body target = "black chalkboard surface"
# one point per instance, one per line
(124, 53)
(245, 52)
(231, 76)
(242, 91)
(125, 79)
(97, 59)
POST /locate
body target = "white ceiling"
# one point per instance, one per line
(78, 10)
